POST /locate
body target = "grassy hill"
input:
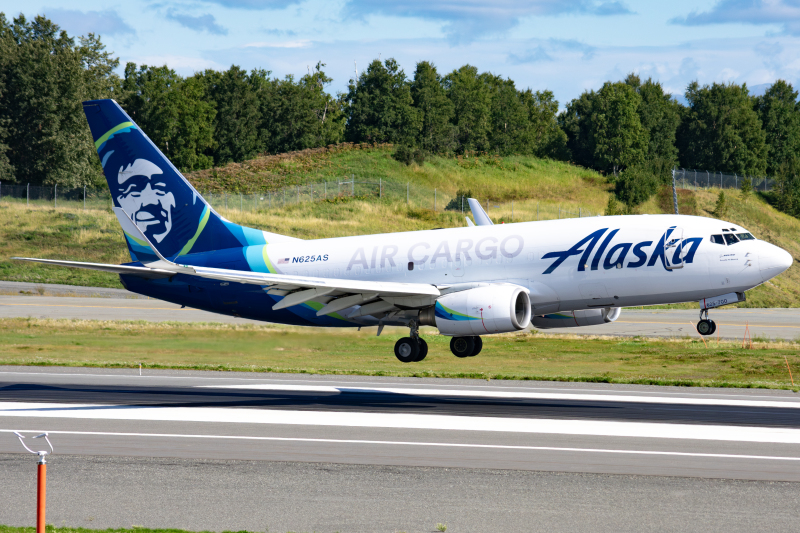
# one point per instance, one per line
(533, 185)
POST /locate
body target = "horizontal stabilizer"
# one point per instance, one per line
(142, 272)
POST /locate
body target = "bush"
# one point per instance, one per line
(408, 155)
(455, 203)
(721, 207)
(635, 185)
(746, 187)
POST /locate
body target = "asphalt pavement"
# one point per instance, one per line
(228, 451)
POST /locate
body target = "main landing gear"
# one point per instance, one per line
(466, 346)
(706, 326)
(411, 349)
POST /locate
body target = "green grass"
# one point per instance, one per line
(268, 348)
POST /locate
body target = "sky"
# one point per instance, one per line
(566, 46)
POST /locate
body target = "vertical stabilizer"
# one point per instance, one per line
(154, 194)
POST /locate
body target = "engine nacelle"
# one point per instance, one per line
(574, 319)
(480, 311)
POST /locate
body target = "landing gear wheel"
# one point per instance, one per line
(406, 350)
(478, 346)
(423, 349)
(462, 346)
(706, 327)
(713, 327)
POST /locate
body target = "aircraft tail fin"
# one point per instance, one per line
(154, 195)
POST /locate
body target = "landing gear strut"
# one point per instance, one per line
(466, 346)
(411, 349)
(706, 326)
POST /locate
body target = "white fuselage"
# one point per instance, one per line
(626, 267)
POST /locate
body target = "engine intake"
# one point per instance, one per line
(480, 311)
(575, 319)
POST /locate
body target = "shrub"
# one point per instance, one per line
(408, 155)
(455, 203)
(687, 202)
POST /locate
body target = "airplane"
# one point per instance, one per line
(482, 279)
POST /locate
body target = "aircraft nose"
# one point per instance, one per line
(773, 261)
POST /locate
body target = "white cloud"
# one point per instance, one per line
(285, 44)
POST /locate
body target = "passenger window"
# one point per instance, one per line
(717, 239)
(730, 238)
(745, 237)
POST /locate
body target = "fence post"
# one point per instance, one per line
(284, 197)
(353, 181)
(708, 180)
(559, 212)
(84, 197)
(326, 189)
(28, 195)
(537, 211)
(407, 186)
(580, 212)
(736, 177)
(380, 187)
(312, 192)
(55, 195)
(298, 195)
(512, 210)
(434, 199)
(720, 180)
(674, 193)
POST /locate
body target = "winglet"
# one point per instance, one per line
(480, 216)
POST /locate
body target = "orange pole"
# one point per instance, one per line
(41, 494)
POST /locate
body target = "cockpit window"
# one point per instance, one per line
(730, 238)
(717, 239)
(745, 236)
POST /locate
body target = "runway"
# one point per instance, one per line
(401, 454)
(766, 323)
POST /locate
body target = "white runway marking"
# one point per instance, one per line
(403, 421)
(411, 443)
(515, 395)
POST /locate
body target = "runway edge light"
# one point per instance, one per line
(41, 484)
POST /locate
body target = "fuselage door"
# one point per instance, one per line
(674, 251)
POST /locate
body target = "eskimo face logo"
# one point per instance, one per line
(145, 198)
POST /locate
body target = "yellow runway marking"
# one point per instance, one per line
(103, 307)
(682, 324)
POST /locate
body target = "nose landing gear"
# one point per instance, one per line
(411, 349)
(706, 326)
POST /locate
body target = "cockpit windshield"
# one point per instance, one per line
(730, 238)
(745, 236)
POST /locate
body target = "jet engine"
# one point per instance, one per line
(574, 319)
(480, 311)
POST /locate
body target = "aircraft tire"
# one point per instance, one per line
(478, 346)
(706, 327)
(713, 327)
(406, 350)
(423, 350)
(462, 346)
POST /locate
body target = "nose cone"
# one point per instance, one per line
(773, 261)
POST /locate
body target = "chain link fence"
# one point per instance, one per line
(414, 196)
(688, 178)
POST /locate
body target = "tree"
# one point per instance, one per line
(48, 140)
(617, 134)
(546, 138)
(380, 106)
(576, 123)
(174, 113)
(436, 133)
(471, 97)
(778, 110)
(721, 131)
(237, 114)
(510, 131)
(660, 116)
